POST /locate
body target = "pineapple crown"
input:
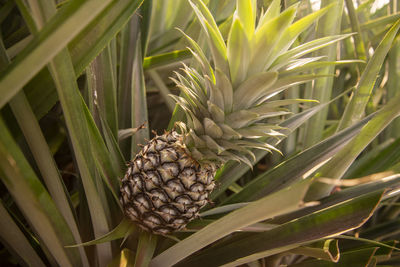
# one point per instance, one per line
(231, 105)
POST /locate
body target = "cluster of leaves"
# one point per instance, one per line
(79, 77)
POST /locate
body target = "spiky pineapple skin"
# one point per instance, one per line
(164, 188)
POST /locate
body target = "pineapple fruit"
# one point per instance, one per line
(230, 106)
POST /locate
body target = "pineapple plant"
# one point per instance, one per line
(78, 77)
(229, 108)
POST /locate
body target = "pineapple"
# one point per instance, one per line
(230, 107)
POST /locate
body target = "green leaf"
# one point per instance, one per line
(146, 247)
(231, 171)
(266, 38)
(339, 164)
(260, 210)
(293, 31)
(14, 238)
(124, 100)
(92, 40)
(212, 129)
(110, 166)
(42, 155)
(304, 49)
(356, 107)
(327, 250)
(379, 23)
(321, 89)
(238, 51)
(272, 12)
(50, 40)
(164, 59)
(289, 81)
(215, 40)
(83, 48)
(361, 257)
(296, 167)
(112, 145)
(379, 159)
(246, 11)
(225, 86)
(355, 26)
(252, 89)
(139, 102)
(74, 110)
(123, 229)
(101, 75)
(200, 56)
(34, 201)
(324, 223)
(316, 65)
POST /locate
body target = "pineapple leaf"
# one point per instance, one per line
(151, 62)
(216, 41)
(339, 164)
(84, 48)
(293, 31)
(12, 235)
(248, 247)
(112, 146)
(199, 55)
(229, 133)
(310, 66)
(327, 250)
(145, 249)
(232, 171)
(198, 142)
(272, 12)
(212, 145)
(287, 82)
(241, 118)
(49, 41)
(212, 129)
(302, 61)
(125, 258)
(252, 89)
(217, 114)
(246, 12)
(215, 94)
(356, 107)
(124, 228)
(233, 147)
(254, 212)
(238, 51)
(266, 38)
(306, 48)
(224, 84)
(34, 201)
(295, 167)
(284, 102)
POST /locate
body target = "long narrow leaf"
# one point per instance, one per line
(339, 164)
(254, 212)
(83, 48)
(326, 222)
(44, 160)
(233, 171)
(295, 167)
(12, 235)
(51, 40)
(34, 201)
(321, 89)
(356, 107)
